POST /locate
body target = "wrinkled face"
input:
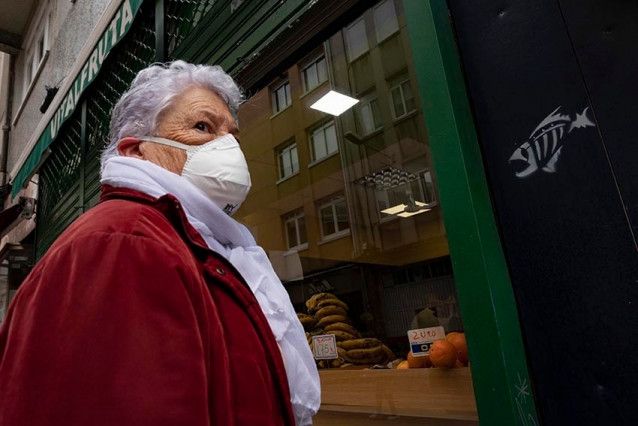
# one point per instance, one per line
(197, 116)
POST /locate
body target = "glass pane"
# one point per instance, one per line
(301, 223)
(322, 74)
(376, 113)
(397, 102)
(408, 97)
(319, 144)
(287, 163)
(281, 98)
(385, 20)
(356, 40)
(288, 98)
(311, 78)
(41, 46)
(331, 139)
(342, 215)
(327, 220)
(294, 159)
(291, 232)
(367, 124)
(27, 73)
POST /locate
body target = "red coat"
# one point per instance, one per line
(129, 319)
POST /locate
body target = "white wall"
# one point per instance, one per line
(69, 28)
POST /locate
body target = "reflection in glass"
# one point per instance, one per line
(314, 74)
(353, 195)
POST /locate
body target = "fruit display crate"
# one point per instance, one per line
(364, 396)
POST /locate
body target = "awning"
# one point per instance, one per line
(114, 31)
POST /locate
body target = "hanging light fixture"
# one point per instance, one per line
(334, 103)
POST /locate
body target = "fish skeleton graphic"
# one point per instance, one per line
(543, 147)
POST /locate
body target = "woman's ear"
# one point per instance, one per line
(130, 147)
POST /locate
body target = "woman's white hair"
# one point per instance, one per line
(152, 91)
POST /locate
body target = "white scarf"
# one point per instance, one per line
(232, 240)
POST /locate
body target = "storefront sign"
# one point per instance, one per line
(422, 338)
(114, 32)
(324, 346)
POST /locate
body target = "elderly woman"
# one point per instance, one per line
(156, 307)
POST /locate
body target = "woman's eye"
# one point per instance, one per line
(202, 126)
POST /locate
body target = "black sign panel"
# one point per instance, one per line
(554, 89)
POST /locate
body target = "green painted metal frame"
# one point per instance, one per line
(499, 367)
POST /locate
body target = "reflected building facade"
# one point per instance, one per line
(347, 203)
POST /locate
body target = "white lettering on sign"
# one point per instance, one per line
(101, 50)
(422, 338)
(127, 17)
(113, 28)
(92, 65)
(325, 346)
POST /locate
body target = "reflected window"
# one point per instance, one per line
(403, 101)
(314, 73)
(323, 141)
(281, 97)
(356, 39)
(334, 217)
(295, 225)
(287, 160)
(385, 20)
(370, 114)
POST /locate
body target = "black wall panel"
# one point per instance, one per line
(566, 218)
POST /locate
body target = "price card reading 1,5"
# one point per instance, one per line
(422, 338)
(325, 346)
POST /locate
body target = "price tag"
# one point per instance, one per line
(325, 346)
(422, 338)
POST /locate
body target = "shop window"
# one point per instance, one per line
(334, 217)
(281, 97)
(370, 232)
(314, 73)
(370, 114)
(403, 101)
(323, 141)
(287, 160)
(356, 39)
(295, 225)
(385, 20)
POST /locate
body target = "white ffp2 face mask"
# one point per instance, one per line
(217, 168)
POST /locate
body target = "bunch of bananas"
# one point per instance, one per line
(366, 351)
(327, 314)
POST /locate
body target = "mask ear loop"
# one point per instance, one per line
(168, 142)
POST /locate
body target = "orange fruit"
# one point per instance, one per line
(450, 335)
(418, 361)
(403, 365)
(442, 354)
(458, 340)
(458, 364)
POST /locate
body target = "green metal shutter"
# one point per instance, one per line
(58, 198)
(134, 53)
(70, 178)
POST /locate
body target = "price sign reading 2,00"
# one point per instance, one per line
(427, 334)
(422, 338)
